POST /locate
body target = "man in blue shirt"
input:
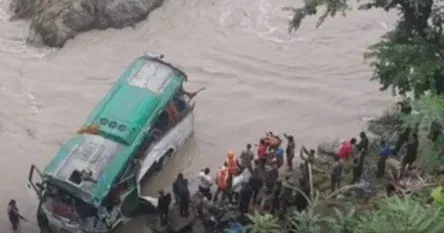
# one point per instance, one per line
(384, 153)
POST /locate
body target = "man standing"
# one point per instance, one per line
(205, 183)
(245, 198)
(411, 152)
(163, 206)
(182, 194)
(336, 174)
(384, 153)
(14, 215)
(256, 180)
(246, 158)
(271, 178)
(290, 151)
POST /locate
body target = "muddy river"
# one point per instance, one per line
(312, 84)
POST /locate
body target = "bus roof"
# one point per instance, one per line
(130, 108)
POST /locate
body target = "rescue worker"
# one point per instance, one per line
(246, 157)
(163, 206)
(232, 163)
(290, 151)
(14, 215)
(205, 183)
(246, 193)
(222, 181)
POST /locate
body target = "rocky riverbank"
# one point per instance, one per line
(53, 22)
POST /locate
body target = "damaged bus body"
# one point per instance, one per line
(92, 183)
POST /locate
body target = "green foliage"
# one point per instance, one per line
(429, 115)
(390, 215)
(307, 221)
(410, 58)
(266, 223)
(401, 216)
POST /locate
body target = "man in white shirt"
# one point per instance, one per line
(205, 182)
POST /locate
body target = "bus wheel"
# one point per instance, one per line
(161, 161)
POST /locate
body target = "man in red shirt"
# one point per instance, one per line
(346, 150)
(262, 150)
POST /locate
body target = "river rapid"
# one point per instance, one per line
(312, 84)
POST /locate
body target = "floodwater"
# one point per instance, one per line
(312, 84)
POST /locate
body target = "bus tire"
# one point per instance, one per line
(159, 163)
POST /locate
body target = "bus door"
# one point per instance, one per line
(35, 183)
(128, 192)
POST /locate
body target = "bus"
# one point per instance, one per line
(92, 185)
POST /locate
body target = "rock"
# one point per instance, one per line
(53, 22)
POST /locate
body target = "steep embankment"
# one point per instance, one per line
(53, 22)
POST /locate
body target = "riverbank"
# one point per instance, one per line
(53, 22)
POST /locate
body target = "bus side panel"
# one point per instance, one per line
(173, 139)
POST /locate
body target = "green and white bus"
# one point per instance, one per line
(92, 183)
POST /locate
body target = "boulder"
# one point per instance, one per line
(53, 22)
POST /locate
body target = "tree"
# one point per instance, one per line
(410, 58)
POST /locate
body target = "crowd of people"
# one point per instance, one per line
(266, 189)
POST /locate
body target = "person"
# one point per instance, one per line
(308, 159)
(362, 146)
(246, 193)
(262, 150)
(205, 183)
(285, 196)
(402, 138)
(190, 95)
(357, 170)
(184, 198)
(176, 185)
(411, 152)
(271, 178)
(222, 180)
(163, 206)
(346, 151)
(232, 163)
(256, 182)
(280, 157)
(290, 150)
(384, 153)
(246, 157)
(275, 202)
(14, 215)
(336, 173)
